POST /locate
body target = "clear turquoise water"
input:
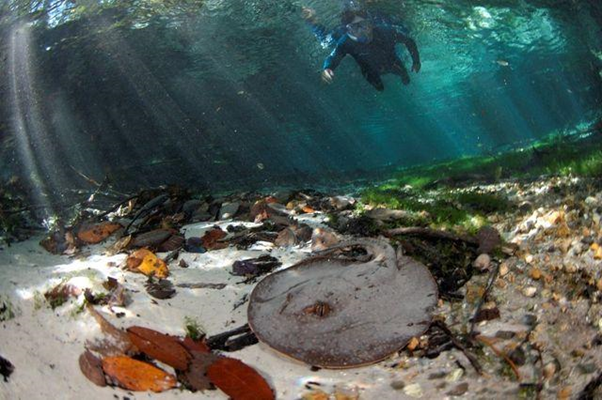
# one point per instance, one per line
(228, 93)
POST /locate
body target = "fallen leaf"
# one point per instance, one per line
(146, 262)
(160, 346)
(91, 367)
(308, 209)
(60, 293)
(162, 289)
(210, 239)
(117, 341)
(238, 380)
(96, 233)
(195, 345)
(195, 377)
(136, 375)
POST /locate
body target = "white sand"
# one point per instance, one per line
(44, 345)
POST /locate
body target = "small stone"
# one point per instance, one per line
(505, 335)
(599, 284)
(549, 370)
(578, 353)
(398, 385)
(529, 258)
(565, 393)
(228, 210)
(588, 368)
(529, 319)
(413, 390)
(315, 395)
(535, 274)
(183, 263)
(346, 394)
(413, 344)
(482, 262)
(529, 291)
(504, 269)
(341, 202)
(455, 375)
(437, 375)
(598, 254)
(459, 390)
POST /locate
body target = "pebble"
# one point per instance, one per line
(482, 262)
(398, 385)
(413, 390)
(504, 269)
(535, 274)
(549, 370)
(530, 291)
(459, 390)
(228, 210)
(455, 375)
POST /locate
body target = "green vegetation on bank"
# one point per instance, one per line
(438, 193)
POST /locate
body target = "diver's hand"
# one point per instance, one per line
(416, 66)
(328, 75)
(308, 14)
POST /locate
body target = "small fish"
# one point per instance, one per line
(260, 166)
(241, 92)
(503, 63)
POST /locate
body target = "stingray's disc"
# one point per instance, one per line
(334, 313)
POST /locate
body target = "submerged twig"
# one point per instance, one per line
(202, 285)
(492, 277)
(473, 360)
(500, 353)
(222, 341)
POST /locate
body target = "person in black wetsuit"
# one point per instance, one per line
(371, 42)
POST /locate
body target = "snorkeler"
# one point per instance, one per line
(370, 41)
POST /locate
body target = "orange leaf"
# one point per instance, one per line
(146, 262)
(238, 380)
(96, 233)
(308, 209)
(136, 375)
(160, 346)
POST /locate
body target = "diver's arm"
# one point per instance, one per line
(335, 58)
(412, 48)
(332, 62)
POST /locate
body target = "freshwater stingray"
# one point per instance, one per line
(352, 305)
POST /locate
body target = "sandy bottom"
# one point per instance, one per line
(44, 344)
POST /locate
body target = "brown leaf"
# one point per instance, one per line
(136, 375)
(117, 341)
(193, 346)
(160, 346)
(91, 367)
(60, 293)
(286, 238)
(96, 233)
(210, 239)
(238, 380)
(195, 377)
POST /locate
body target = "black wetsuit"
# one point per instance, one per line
(377, 57)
